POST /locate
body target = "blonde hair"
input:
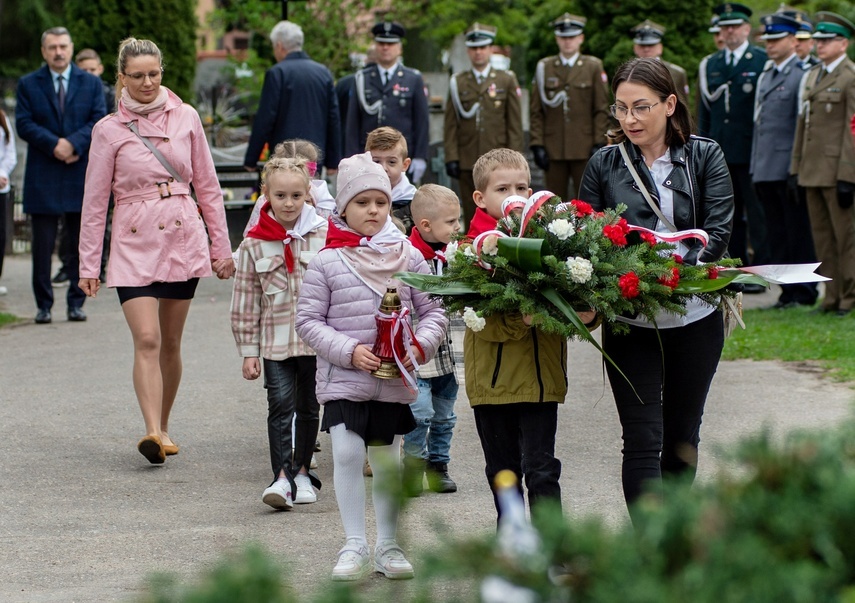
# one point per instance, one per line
(430, 199)
(277, 165)
(297, 148)
(385, 138)
(87, 54)
(497, 159)
(130, 48)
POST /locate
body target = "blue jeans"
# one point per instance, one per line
(435, 420)
(290, 386)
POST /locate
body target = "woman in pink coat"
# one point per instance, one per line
(159, 248)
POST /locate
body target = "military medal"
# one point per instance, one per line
(491, 91)
(747, 87)
(497, 103)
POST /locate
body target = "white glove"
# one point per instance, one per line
(418, 167)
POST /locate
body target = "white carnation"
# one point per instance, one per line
(468, 252)
(490, 245)
(580, 269)
(472, 320)
(451, 252)
(561, 228)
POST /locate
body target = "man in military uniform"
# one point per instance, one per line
(647, 43)
(389, 94)
(569, 109)
(776, 109)
(728, 82)
(804, 36)
(715, 30)
(482, 113)
(824, 158)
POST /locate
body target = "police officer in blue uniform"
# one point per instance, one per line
(728, 83)
(389, 94)
(775, 113)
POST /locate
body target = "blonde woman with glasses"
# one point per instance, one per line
(149, 154)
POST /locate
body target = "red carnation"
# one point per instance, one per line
(628, 284)
(712, 273)
(677, 258)
(615, 234)
(582, 208)
(673, 280)
(647, 237)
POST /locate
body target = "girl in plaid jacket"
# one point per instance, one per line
(271, 262)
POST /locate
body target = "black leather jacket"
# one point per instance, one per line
(700, 181)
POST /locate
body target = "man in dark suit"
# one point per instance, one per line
(728, 83)
(298, 100)
(776, 110)
(57, 107)
(389, 94)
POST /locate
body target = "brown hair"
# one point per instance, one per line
(5, 129)
(130, 48)
(385, 139)
(655, 75)
(430, 199)
(87, 54)
(496, 159)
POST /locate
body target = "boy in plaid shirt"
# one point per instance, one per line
(436, 219)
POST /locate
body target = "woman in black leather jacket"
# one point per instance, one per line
(670, 363)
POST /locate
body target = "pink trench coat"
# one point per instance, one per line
(158, 234)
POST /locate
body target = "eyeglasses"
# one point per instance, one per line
(638, 112)
(154, 76)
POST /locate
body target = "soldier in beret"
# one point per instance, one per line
(388, 94)
(482, 113)
(647, 43)
(569, 109)
(728, 82)
(824, 158)
(776, 109)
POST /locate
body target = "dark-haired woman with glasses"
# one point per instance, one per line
(149, 154)
(669, 363)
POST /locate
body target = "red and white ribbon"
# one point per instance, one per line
(534, 203)
(674, 237)
(408, 338)
(478, 245)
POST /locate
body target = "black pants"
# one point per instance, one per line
(661, 430)
(44, 241)
(521, 437)
(788, 234)
(290, 386)
(749, 223)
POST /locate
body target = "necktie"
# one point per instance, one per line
(387, 75)
(60, 94)
(819, 76)
(730, 59)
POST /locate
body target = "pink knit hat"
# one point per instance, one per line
(357, 174)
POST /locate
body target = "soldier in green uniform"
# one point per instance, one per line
(824, 158)
(728, 85)
(482, 113)
(647, 43)
(569, 109)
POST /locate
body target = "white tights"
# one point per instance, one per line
(348, 450)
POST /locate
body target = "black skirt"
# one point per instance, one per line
(377, 423)
(181, 290)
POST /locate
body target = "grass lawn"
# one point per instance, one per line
(797, 335)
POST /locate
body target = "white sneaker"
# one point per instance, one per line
(354, 562)
(389, 560)
(278, 495)
(305, 491)
(313, 464)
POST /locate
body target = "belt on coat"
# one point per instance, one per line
(160, 189)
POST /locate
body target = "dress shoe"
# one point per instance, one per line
(43, 317)
(76, 315)
(152, 449)
(753, 288)
(438, 478)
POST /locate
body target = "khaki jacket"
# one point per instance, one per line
(571, 129)
(824, 152)
(497, 123)
(681, 80)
